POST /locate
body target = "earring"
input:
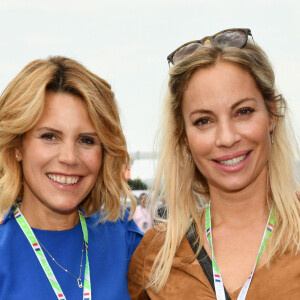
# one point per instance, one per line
(17, 156)
(272, 134)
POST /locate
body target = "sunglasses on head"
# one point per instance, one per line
(234, 37)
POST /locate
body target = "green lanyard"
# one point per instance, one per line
(43, 260)
(219, 287)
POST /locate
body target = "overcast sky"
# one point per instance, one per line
(127, 41)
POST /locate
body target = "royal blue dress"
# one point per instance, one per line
(111, 245)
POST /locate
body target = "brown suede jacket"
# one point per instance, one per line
(187, 281)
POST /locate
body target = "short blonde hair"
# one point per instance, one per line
(179, 180)
(21, 107)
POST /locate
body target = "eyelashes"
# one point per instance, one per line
(245, 111)
(52, 137)
(48, 136)
(205, 121)
(87, 140)
(201, 122)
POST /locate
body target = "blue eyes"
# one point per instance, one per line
(82, 140)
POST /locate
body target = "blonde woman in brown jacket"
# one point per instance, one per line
(226, 170)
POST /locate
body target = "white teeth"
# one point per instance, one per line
(234, 161)
(66, 180)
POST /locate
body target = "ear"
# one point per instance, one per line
(186, 141)
(272, 115)
(272, 123)
(18, 155)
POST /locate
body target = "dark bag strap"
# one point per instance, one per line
(203, 258)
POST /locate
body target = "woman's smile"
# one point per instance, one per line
(234, 164)
(64, 179)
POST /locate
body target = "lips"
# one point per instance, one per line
(233, 161)
(63, 179)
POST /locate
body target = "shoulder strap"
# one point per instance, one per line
(203, 258)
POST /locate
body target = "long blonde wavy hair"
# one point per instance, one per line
(181, 183)
(22, 106)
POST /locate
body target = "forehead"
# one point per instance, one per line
(62, 99)
(220, 85)
(67, 110)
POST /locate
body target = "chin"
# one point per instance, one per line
(63, 208)
(231, 187)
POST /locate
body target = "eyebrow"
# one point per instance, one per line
(241, 101)
(89, 133)
(233, 106)
(49, 129)
(60, 132)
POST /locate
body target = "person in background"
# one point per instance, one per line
(142, 217)
(162, 209)
(62, 155)
(227, 138)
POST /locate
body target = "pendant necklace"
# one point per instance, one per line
(79, 281)
(37, 249)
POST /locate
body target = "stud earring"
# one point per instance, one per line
(17, 156)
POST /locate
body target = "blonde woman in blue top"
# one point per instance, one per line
(62, 154)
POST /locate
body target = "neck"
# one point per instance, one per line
(46, 219)
(238, 214)
(238, 209)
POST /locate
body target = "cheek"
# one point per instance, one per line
(35, 155)
(200, 145)
(258, 132)
(93, 161)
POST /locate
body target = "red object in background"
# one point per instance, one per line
(127, 174)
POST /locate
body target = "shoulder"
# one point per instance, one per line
(151, 243)
(123, 223)
(9, 234)
(5, 223)
(142, 261)
(121, 232)
(156, 235)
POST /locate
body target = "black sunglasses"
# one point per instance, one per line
(234, 37)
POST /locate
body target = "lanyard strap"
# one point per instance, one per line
(43, 260)
(219, 286)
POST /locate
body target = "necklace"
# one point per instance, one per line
(79, 282)
(37, 249)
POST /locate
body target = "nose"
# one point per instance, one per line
(227, 134)
(68, 153)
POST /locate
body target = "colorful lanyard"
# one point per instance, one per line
(219, 287)
(43, 260)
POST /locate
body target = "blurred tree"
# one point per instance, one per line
(137, 184)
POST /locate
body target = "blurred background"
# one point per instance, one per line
(127, 42)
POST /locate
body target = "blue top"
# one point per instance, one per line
(111, 245)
